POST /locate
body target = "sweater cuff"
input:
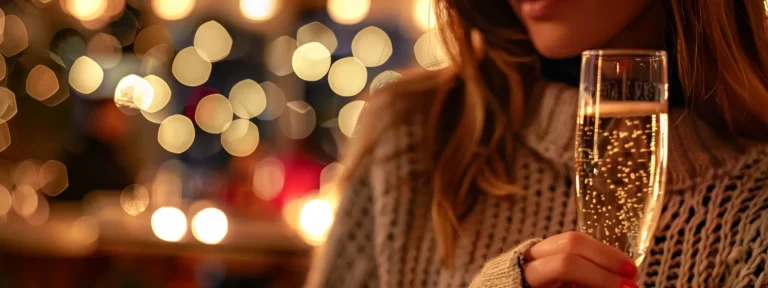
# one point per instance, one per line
(504, 271)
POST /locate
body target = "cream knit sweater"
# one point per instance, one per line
(713, 231)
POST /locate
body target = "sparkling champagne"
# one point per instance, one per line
(620, 172)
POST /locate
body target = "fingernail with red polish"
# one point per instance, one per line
(628, 269)
(626, 283)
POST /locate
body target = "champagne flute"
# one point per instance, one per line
(621, 147)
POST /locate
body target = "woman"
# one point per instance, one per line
(462, 177)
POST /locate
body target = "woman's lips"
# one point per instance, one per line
(534, 9)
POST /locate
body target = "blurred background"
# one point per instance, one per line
(185, 143)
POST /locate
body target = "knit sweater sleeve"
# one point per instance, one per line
(347, 259)
(503, 271)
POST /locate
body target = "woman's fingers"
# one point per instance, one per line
(567, 268)
(607, 257)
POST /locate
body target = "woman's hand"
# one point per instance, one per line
(577, 259)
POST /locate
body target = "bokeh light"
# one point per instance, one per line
(173, 9)
(190, 68)
(383, 79)
(161, 94)
(176, 134)
(430, 52)
(134, 92)
(157, 59)
(315, 220)
(213, 113)
(248, 99)
(41, 213)
(14, 37)
(86, 75)
(6, 202)
(268, 178)
(166, 187)
(86, 10)
(27, 173)
(53, 178)
(169, 224)
(105, 49)
(5, 136)
(85, 230)
(3, 67)
(311, 61)
(151, 37)
(42, 83)
(157, 117)
(25, 200)
(317, 32)
(259, 10)
(279, 54)
(298, 120)
(210, 225)
(241, 138)
(424, 14)
(330, 174)
(347, 77)
(372, 46)
(348, 12)
(213, 41)
(134, 199)
(275, 101)
(348, 116)
(8, 107)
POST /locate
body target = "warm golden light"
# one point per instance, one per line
(176, 134)
(424, 14)
(86, 75)
(53, 178)
(161, 94)
(190, 68)
(259, 10)
(241, 138)
(86, 10)
(348, 12)
(8, 105)
(134, 92)
(85, 230)
(311, 61)
(40, 215)
(278, 55)
(298, 120)
(25, 200)
(210, 226)
(166, 187)
(349, 115)
(315, 220)
(6, 202)
(268, 178)
(213, 41)
(169, 224)
(372, 46)
(317, 32)
(157, 59)
(430, 52)
(248, 99)
(173, 9)
(275, 101)
(134, 199)
(3, 67)
(384, 79)
(42, 83)
(213, 113)
(105, 49)
(27, 173)
(5, 136)
(347, 77)
(14, 38)
(151, 37)
(2, 23)
(330, 173)
(159, 116)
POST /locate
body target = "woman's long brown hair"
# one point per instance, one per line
(475, 109)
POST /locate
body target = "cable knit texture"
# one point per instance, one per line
(713, 230)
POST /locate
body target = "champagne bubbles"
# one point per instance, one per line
(311, 61)
(372, 46)
(176, 134)
(347, 77)
(86, 75)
